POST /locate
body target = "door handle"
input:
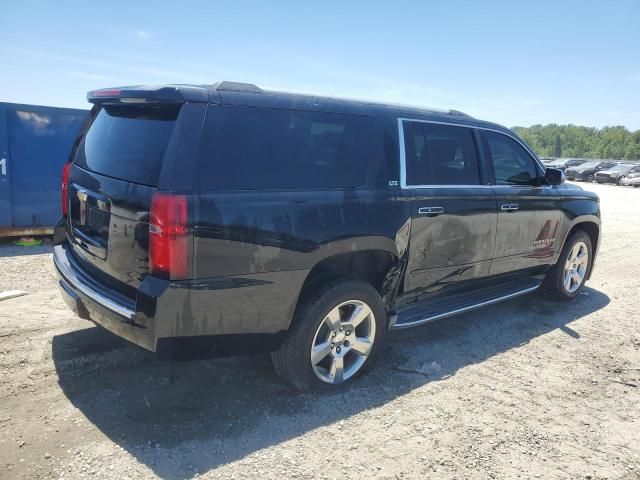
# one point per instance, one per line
(509, 207)
(432, 211)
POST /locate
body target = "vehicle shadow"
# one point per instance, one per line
(179, 418)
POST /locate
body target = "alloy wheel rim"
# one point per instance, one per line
(343, 341)
(575, 268)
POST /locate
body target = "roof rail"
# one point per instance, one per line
(225, 85)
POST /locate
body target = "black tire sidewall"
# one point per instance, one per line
(557, 284)
(312, 313)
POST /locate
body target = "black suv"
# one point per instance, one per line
(305, 225)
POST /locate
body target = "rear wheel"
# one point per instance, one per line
(335, 337)
(568, 276)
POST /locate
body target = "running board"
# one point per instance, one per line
(437, 309)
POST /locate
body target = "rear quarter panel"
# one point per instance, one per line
(254, 250)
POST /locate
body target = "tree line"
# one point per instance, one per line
(583, 142)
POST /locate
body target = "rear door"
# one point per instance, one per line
(116, 169)
(529, 211)
(454, 214)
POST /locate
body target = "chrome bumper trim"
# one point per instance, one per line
(74, 281)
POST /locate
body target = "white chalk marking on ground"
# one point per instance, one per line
(11, 294)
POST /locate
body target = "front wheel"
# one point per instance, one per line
(590, 177)
(335, 336)
(567, 277)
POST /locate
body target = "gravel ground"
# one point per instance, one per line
(529, 388)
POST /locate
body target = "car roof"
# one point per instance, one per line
(236, 93)
(231, 93)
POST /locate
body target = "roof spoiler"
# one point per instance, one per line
(149, 94)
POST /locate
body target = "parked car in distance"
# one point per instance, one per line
(587, 171)
(564, 163)
(631, 179)
(616, 173)
(308, 225)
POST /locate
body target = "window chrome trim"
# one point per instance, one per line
(403, 154)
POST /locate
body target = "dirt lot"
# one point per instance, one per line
(530, 388)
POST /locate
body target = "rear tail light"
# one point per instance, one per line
(168, 236)
(65, 188)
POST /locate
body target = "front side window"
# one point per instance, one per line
(439, 155)
(512, 164)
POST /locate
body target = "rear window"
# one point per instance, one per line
(250, 148)
(128, 142)
(439, 155)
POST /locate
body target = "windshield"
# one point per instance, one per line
(589, 165)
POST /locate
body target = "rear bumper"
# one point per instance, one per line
(106, 308)
(164, 310)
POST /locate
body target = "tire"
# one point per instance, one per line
(556, 282)
(311, 327)
(590, 177)
(636, 185)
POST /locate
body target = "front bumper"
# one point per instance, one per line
(606, 179)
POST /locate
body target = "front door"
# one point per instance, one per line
(453, 213)
(529, 212)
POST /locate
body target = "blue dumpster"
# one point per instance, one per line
(35, 142)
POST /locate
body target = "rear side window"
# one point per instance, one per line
(250, 148)
(128, 142)
(439, 155)
(512, 164)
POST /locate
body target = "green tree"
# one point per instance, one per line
(586, 142)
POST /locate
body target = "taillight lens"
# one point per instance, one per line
(168, 236)
(65, 188)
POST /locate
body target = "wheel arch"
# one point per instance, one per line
(377, 267)
(591, 226)
(372, 266)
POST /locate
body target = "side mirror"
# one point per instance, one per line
(554, 176)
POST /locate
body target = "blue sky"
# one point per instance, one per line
(516, 63)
